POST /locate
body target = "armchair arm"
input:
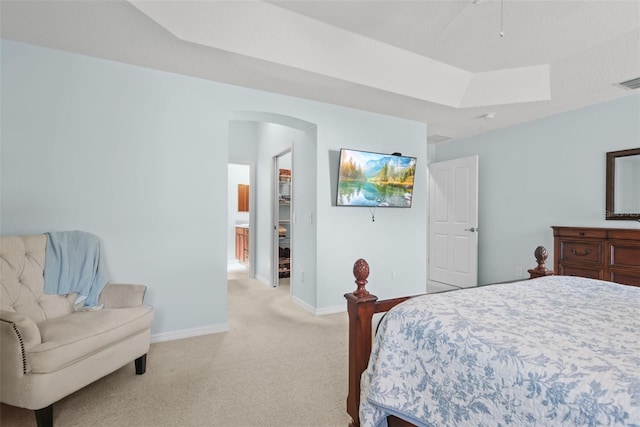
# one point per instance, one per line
(26, 327)
(17, 333)
(122, 295)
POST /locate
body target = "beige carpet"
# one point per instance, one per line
(277, 366)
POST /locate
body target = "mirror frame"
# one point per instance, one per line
(611, 178)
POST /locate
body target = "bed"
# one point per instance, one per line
(551, 351)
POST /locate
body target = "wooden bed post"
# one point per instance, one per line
(541, 270)
(360, 306)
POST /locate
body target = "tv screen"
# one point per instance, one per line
(375, 179)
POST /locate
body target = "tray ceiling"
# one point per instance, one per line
(440, 62)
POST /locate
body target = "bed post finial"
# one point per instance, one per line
(541, 255)
(361, 273)
(541, 270)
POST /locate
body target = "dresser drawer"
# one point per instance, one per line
(583, 233)
(623, 234)
(624, 254)
(591, 273)
(625, 277)
(582, 251)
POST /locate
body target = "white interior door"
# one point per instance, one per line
(453, 222)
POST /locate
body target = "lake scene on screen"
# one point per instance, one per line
(375, 179)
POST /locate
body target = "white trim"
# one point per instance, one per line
(304, 305)
(188, 333)
(263, 280)
(319, 311)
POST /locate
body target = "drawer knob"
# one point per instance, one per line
(576, 253)
(581, 234)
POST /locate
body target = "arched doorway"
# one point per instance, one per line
(255, 138)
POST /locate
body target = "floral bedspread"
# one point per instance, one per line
(553, 351)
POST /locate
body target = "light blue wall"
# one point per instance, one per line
(242, 142)
(543, 173)
(396, 240)
(139, 157)
(135, 156)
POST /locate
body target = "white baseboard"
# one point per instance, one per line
(263, 280)
(304, 305)
(188, 333)
(319, 311)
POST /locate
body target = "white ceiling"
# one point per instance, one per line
(440, 62)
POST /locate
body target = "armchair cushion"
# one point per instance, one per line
(122, 296)
(67, 339)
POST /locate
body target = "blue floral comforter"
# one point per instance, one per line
(553, 351)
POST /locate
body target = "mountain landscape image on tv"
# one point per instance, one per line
(375, 179)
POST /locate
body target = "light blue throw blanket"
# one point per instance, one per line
(73, 264)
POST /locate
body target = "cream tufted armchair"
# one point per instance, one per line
(48, 350)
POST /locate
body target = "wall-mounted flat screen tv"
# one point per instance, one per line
(375, 179)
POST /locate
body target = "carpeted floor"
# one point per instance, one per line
(277, 366)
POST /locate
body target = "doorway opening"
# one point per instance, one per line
(239, 218)
(255, 138)
(283, 210)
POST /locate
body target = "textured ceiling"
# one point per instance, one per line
(467, 34)
(586, 46)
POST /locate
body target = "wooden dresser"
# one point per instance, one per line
(611, 254)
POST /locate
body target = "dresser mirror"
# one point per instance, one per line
(623, 185)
